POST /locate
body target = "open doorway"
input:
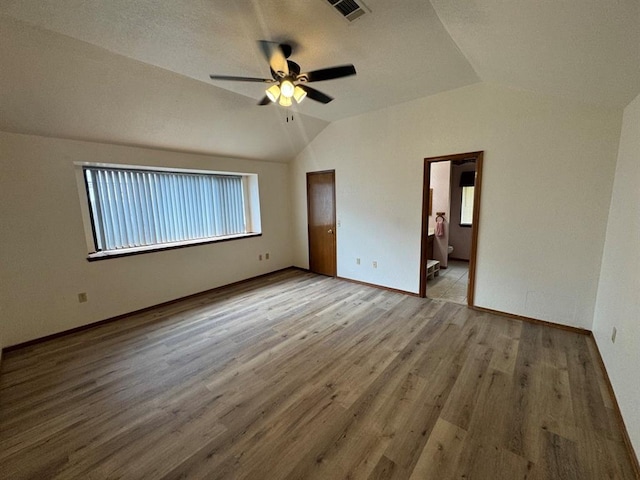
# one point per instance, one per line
(444, 180)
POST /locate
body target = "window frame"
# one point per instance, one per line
(251, 199)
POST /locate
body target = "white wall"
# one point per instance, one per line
(547, 178)
(618, 302)
(43, 248)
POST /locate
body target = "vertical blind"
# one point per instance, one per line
(134, 208)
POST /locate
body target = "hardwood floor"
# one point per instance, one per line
(298, 376)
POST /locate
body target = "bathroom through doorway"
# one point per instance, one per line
(450, 216)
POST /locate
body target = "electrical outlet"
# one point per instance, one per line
(614, 332)
(260, 256)
(82, 297)
(266, 256)
(375, 264)
(357, 261)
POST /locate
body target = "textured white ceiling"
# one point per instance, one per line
(53, 85)
(88, 69)
(585, 50)
(401, 51)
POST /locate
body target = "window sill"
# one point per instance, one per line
(127, 252)
(465, 225)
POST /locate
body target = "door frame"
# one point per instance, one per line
(335, 230)
(478, 157)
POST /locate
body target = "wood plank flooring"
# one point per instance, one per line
(299, 376)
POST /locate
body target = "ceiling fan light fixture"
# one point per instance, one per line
(287, 84)
(273, 92)
(285, 101)
(287, 88)
(299, 93)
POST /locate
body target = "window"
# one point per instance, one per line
(133, 209)
(467, 183)
(466, 209)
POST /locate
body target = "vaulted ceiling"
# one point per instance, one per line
(137, 72)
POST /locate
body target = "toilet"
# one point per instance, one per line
(449, 249)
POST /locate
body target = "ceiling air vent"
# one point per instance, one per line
(349, 9)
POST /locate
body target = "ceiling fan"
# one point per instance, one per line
(288, 82)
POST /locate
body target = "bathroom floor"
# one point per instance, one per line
(451, 284)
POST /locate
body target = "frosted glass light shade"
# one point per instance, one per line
(273, 92)
(286, 89)
(299, 94)
(285, 101)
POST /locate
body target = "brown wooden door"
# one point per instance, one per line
(321, 215)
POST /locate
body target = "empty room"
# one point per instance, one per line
(319, 239)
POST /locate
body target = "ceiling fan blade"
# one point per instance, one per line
(329, 73)
(241, 79)
(276, 56)
(265, 101)
(316, 95)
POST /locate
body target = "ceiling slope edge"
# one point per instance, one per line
(57, 86)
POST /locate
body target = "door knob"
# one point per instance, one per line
(330, 230)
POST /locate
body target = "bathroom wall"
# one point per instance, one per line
(440, 180)
(459, 237)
